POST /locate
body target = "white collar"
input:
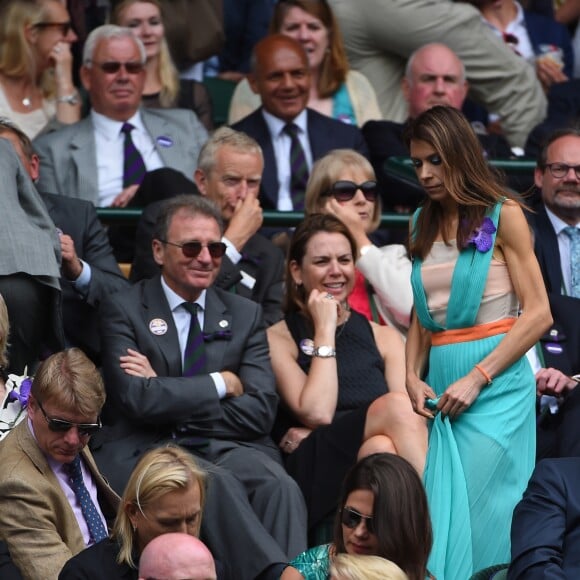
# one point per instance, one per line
(175, 300)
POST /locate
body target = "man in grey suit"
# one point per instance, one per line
(187, 362)
(86, 159)
(89, 270)
(29, 266)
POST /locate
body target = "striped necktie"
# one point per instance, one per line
(574, 235)
(97, 530)
(298, 168)
(194, 357)
(133, 165)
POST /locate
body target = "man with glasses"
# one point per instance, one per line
(556, 226)
(54, 501)
(104, 157)
(187, 362)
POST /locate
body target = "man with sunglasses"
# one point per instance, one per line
(229, 173)
(187, 362)
(54, 501)
(104, 157)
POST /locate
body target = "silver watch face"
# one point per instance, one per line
(325, 351)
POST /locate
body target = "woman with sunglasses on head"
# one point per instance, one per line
(340, 377)
(36, 81)
(335, 91)
(163, 87)
(382, 512)
(165, 493)
(343, 183)
(474, 271)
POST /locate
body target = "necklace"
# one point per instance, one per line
(340, 328)
(26, 102)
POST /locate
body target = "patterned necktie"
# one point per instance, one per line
(574, 235)
(97, 530)
(133, 165)
(298, 168)
(194, 356)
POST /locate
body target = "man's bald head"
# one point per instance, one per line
(434, 76)
(176, 557)
(281, 76)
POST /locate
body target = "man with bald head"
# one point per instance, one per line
(434, 76)
(174, 557)
(292, 136)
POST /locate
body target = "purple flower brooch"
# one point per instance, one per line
(482, 237)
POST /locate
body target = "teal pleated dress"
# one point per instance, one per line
(478, 465)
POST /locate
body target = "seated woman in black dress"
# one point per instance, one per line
(334, 369)
(165, 493)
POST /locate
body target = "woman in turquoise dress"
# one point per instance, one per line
(382, 512)
(480, 304)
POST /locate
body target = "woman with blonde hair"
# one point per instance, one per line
(336, 91)
(165, 493)
(163, 87)
(343, 183)
(36, 81)
(359, 567)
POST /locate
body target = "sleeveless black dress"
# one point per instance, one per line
(323, 459)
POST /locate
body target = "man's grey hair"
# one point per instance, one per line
(226, 137)
(411, 61)
(107, 31)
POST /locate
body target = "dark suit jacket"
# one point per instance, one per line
(545, 533)
(36, 520)
(79, 220)
(99, 562)
(142, 412)
(261, 259)
(324, 135)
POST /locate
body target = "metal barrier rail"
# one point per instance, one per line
(110, 215)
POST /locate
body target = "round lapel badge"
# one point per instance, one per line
(158, 326)
(223, 323)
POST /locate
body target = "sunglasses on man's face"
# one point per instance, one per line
(193, 249)
(65, 27)
(346, 190)
(111, 67)
(351, 519)
(62, 426)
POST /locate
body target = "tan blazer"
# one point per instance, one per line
(36, 520)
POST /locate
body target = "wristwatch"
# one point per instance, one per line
(324, 351)
(71, 99)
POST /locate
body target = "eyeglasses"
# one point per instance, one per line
(65, 27)
(351, 519)
(346, 190)
(193, 249)
(113, 66)
(560, 170)
(62, 426)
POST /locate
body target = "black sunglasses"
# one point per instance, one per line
(346, 190)
(65, 27)
(351, 519)
(193, 249)
(62, 426)
(113, 66)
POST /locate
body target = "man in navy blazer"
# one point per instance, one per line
(545, 534)
(255, 517)
(557, 175)
(281, 76)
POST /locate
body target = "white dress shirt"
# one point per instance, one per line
(109, 141)
(281, 142)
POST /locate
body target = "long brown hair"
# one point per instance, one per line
(335, 64)
(400, 512)
(468, 178)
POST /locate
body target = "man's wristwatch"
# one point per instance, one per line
(324, 351)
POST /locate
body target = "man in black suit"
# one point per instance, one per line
(555, 222)
(435, 75)
(229, 172)
(281, 76)
(187, 362)
(545, 533)
(89, 270)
